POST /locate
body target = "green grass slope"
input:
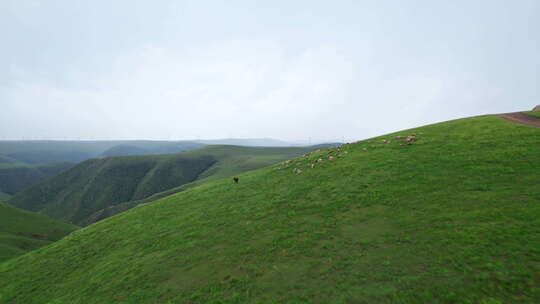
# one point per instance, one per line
(228, 161)
(452, 218)
(98, 183)
(22, 231)
(48, 151)
(25, 163)
(534, 113)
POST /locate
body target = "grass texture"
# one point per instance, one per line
(22, 231)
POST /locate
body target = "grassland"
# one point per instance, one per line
(452, 218)
(34, 152)
(101, 184)
(22, 231)
(229, 161)
(98, 183)
(534, 113)
(25, 163)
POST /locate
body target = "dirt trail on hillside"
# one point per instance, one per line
(521, 118)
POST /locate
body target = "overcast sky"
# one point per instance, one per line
(291, 70)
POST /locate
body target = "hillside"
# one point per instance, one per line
(49, 151)
(247, 142)
(454, 217)
(25, 163)
(229, 161)
(162, 148)
(8, 162)
(16, 176)
(22, 231)
(534, 113)
(97, 184)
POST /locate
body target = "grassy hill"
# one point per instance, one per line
(8, 162)
(250, 142)
(161, 148)
(534, 113)
(453, 217)
(25, 163)
(98, 184)
(16, 176)
(22, 231)
(48, 151)
(229, 161)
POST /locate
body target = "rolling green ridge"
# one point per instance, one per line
(98, 184)
(8, 162)
(47, 151)
(16, 176)
(22, 231)
(534, 113)
(25, 163)
(229, 161)
(250, 142)
(452, 218)
(162, 148)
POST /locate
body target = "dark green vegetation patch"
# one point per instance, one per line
(452, 217)
(22, 231)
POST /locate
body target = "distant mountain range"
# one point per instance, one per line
(249, 142)
(24, 163)
(86, 192)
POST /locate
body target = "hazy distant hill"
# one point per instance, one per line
(4, 196)
(25, 163)
(164, 148)
(249, 142)
(98, 184)
(22, 231)
(8, 162)
(42, 151)
(17, 176)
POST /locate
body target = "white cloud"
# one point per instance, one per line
(242, 89)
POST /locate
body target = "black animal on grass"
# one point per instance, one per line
(235, 179)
